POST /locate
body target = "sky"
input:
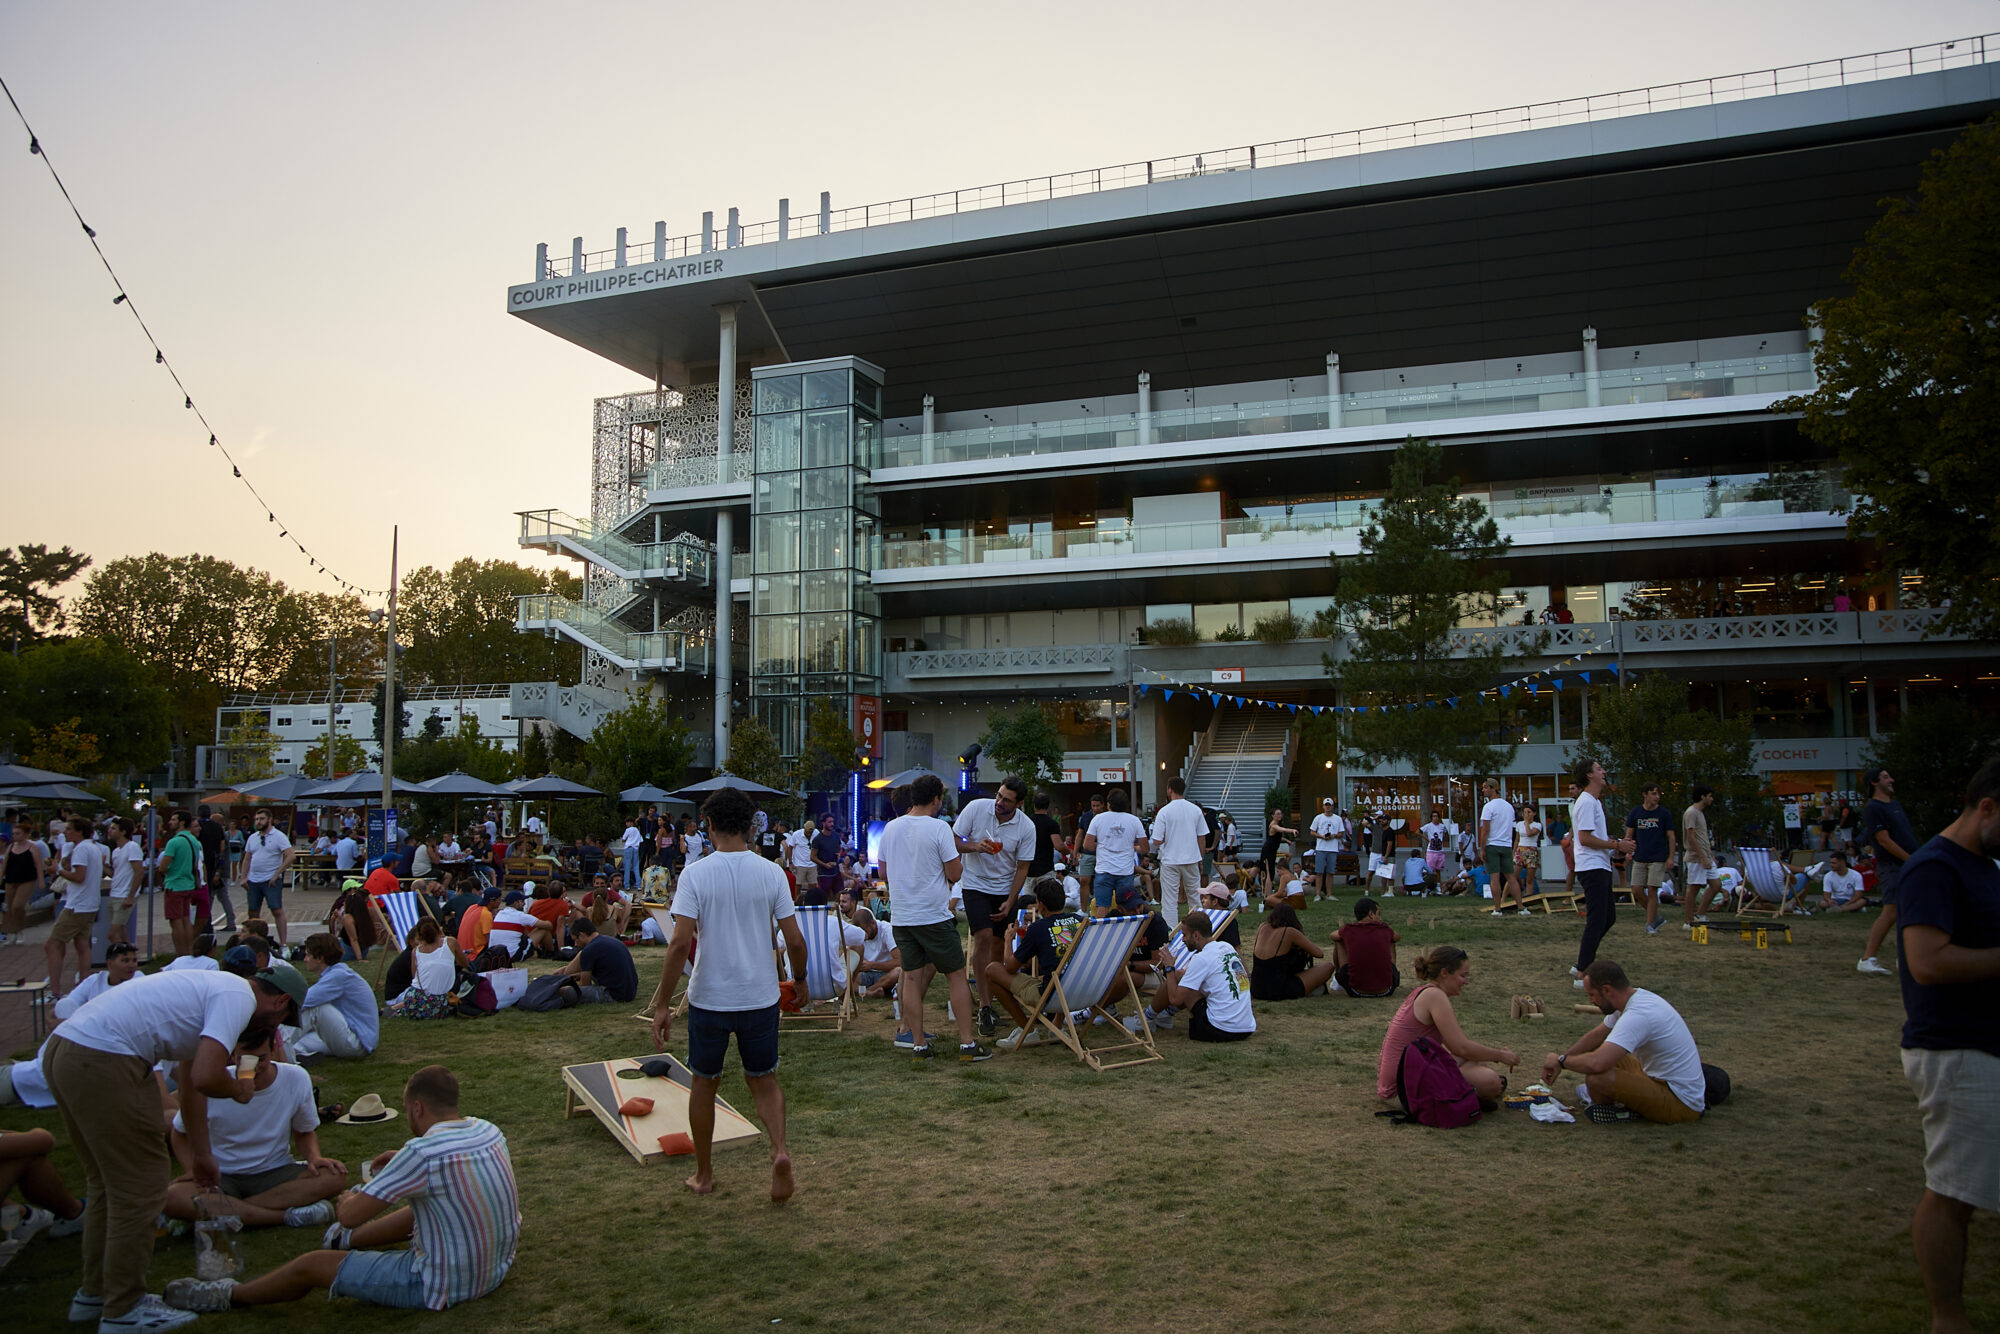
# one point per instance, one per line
(318, 209)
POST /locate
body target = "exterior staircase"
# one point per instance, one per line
(1229, 767)
(577, 709)
(634, 650)
(681, 561)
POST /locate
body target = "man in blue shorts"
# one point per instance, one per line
(734, 898)
(462, 1221)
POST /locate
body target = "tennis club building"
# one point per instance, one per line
(951, 454)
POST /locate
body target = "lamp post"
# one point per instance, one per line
(392, 714)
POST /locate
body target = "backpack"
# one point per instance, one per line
(552, 992)
(1434, 1089)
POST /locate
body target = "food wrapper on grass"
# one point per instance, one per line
(636, 1107)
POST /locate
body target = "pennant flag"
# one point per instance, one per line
(1586, 678)
(1452, 702)
(1170, 694)
(1534, 691)
(1559, 683)
(1143, 688)
(1504, 690)
(1294, 708)
(1361, 708)
(1611, 667)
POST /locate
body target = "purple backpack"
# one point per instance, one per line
(1434, 1089)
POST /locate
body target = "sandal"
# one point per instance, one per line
(333, 1111)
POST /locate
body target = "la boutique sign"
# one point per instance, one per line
(636, 278)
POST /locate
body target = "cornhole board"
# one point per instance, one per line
(598, 1089)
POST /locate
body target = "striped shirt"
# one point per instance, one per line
(459, 1183)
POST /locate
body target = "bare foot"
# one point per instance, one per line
(700, 1184)
(781, 1178)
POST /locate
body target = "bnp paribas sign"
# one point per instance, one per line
(611, 282)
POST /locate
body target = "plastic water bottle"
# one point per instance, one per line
(217, 1254)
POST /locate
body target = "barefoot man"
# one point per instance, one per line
(733, 898)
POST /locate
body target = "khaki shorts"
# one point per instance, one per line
(1027, 989)
(1648, 875)
(1647, 1096)
(118, 912)
(934, 943)
(1959, 1095)
(72, 926)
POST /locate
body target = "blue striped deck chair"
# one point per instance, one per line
(402, 909)
(1086, 972)
(828, 1004)
(1767, 884)
(1179, 950)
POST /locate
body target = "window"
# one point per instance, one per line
(283, 720)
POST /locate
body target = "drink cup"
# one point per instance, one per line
(246, 1069)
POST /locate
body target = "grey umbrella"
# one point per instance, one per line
(550, 785)
(283, 788)
(696, 791)
(359, 787)
(645, 792)
(29, 796)
(22, 775)
(458, 783)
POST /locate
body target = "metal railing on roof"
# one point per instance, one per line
(363, 695)
(1869, 68)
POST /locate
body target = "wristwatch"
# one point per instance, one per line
(1562, 1061)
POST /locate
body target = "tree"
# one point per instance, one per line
(754, 754)
(29, 578)
(250, 749)
(63, 747)
(348, 756)
(110, 693)
(534, 753)
(644, 742)
(460, 625)
(1933, 753)
(1642, 731)
(434, 753)
(1909, 382)
(1428, 560)
(827, 757)
(1026, 743)
(209, 629)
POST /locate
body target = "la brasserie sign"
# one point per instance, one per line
(635, 278)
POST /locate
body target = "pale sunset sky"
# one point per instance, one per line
(318, 209)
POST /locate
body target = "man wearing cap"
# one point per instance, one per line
(1327, 828)
(100, 1068)
(513, 924)
(1216, 899)
(339, 1016)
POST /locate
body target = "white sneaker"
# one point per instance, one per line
(200, 1294)
(84, 1308)
(1524, 912)
(149, 1316)
(1868, 965)
(1497, 912)
(1012, 1042)
(1577, 982)
(31, 1224)
(317, 1214)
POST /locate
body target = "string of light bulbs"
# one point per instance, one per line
(160, 358)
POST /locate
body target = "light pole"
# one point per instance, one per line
(332, 696)
(391, 714)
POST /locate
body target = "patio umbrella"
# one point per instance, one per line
(696, 791)
(43, 792)
(359, 787)
(645, 792)
(285, 788)
(550, 785)
(458, 785)
(904, 776)
(21, 775)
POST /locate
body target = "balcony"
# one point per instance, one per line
(1598, 512)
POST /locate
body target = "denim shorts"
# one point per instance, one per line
(259, 892)
(380, 1278)
(1123, 890)
(756, 1040)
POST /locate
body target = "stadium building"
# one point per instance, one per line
(946, 455)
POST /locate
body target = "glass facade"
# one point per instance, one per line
(814, 618)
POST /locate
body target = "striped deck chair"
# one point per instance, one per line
(1767, 884)
(829, 1005)
(1094, 960)
(1181, 953)
(403, 910)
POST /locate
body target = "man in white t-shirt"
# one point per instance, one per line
(996, 843)
(1116, 839)
(82, 867)
(881, 967)
(736, 901)
(1841, 889)
(1594, 846)
(921, 862)
(1180, 832)
(534, 827)
(1641, 1059)
(629, 854)
(262, 1182)
(267, 856)
(121, 964)
(798, 854)
(1496, 838)
(345, 851)
(512, 923)
(1214, 988)
(1436, 835)
(99, 1066)
(128, 875)
(1327, 831)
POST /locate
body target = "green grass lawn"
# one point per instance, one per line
(1247, 1187)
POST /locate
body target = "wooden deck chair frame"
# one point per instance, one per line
(1098, 954)
(1762, 871)
(825, 944)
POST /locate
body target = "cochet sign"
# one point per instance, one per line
(632, 279)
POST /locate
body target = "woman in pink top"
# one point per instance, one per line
(1444, 970)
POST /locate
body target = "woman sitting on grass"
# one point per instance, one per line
(433, 961)
(1287, 965)
(1288, 890)
(1444, 970)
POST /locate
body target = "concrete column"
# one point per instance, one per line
(621, 247)
(725, 521)
(1593, 392)
(708, 231)
(576, 257)
(825, 212)
(735, 228)
(1333, 389)
(930, 429)
(659, 241)
(784, 219)
(1145, 408)
(541, 261)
